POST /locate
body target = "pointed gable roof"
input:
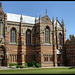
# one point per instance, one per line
(45, 19)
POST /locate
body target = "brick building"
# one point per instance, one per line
(24, 39)
(70, 51)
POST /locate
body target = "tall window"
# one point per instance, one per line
(13, 35)
(28, 37)
(0, 29)
(60, 38)
(47, 35)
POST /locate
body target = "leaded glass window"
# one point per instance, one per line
(13, 35)
(47, 35)
(28, 37)
(60, 38)
(0, 29)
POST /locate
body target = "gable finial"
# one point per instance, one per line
(56, 18)
(21, 17)
(46, 11)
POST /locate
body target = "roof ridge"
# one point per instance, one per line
(22, 15)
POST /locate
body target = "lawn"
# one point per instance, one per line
(58, 70)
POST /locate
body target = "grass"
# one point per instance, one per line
(58, 70)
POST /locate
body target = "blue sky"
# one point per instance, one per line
(60, 9)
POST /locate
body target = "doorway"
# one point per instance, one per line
(2, 56)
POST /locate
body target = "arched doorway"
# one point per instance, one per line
(2, 56)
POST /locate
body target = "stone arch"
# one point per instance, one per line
(13, 28)
(3, 56)
(48, 27)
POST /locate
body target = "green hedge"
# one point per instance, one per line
(27, 64)
(19, 66)
(38, 64)
(12, 64)
(32, 64)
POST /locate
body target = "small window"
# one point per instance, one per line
(45, 58)
(51, 58)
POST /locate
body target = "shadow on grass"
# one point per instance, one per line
(72, 67)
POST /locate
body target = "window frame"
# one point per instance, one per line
(13, 36)
(28, 37)
(60, 39)
(47, 38)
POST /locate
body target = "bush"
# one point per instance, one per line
(29, 64)
(12, 64)
(33, 63)
(20, 66)
(38, 64)
(34, 66)
(26, 64)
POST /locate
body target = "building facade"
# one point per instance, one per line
(70, 51)
(24, 39)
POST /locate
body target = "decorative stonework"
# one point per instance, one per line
(38, 47)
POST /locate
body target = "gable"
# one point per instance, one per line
(46, 19)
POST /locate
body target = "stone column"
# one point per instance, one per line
(22, 47)
(56, 34)
(63, 43)
(5, 40)
(54, 46)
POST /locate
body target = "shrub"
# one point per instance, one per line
(26, 64)
(33, 63)
(29, 64)
(20, 66)
(34, 66)
(38, 64)
(12, 64)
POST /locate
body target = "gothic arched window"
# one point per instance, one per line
(1, 28)
(60, 38)
(13, 35)
(47, 35)
(28, 37)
